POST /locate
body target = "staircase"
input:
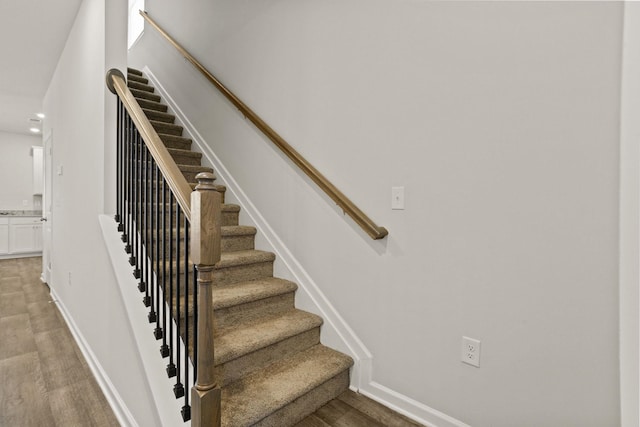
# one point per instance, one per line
(269, 362)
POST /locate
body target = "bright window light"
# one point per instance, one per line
(136, 22)
(40, 116)
(34, 130)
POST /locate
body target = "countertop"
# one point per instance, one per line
(19, 213)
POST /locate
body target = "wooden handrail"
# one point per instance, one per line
(370, 227)
(172, 174)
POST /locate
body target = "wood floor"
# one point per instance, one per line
(355, 410)
(44, 379)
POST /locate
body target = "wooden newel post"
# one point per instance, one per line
(206, 205)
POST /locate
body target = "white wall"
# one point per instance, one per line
(16, 172)
(500, 119)
(80, 117)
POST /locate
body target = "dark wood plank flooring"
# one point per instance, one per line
(44, 378)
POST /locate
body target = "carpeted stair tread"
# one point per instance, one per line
(251, 399)
(245, 292)
(237, 341)
(194, 168)
(159, 116)
(131, 70)
(178, 151)
(186, 157)
(175, 141)
(233, 259)
(137, 78)
(141, 94)
(240, 293)
(140, 86)
(237, 230)
(152, 105)
(230, 207)
(169, 128)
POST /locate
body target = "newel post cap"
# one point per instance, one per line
(109, 77)
(205, 181)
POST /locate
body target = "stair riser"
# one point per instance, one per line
(228, 275)
(167, 128)
(229, 316)
(228, 217)
(244, 365)
(150, 105)
(179, 144)
(136, 78)
(140, 86)
(141, 94)
(242, 273)
(228, 243)
(305, 405)
(238, 243)
(186, 159)
(160, 116)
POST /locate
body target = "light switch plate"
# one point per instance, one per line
(397, 198)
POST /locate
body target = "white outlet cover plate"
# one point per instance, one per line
(470, 351)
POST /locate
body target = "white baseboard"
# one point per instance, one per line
(408, 407)
(24, 255)
(335, 331)
(122, 413)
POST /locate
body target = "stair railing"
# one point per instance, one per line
(367, 224)
(173, 237)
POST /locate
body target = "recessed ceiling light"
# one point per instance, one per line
(40, 115)
(35, 130)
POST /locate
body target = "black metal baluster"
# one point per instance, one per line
(136, 196)
(143, 213)
(164, 349)
(171, 367)
(186, 409)
(150, 291)
(178, 389)
(128, 192)
(118, 163)
(154, 244)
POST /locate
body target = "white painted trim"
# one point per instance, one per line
(334, 324)
(629, 232)
(159, 386)
(408, 407)
(21, 255)
(119, 407)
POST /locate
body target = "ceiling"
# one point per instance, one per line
(32, 36)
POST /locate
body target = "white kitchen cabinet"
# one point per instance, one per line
(25, 235)
(4, 236)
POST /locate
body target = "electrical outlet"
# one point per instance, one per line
(470, 351)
